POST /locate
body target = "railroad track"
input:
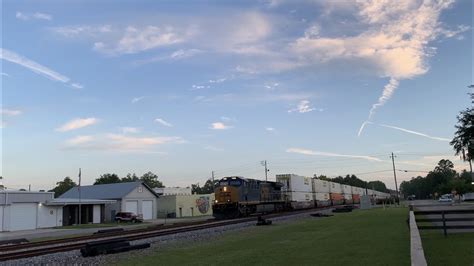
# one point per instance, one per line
(27, 250)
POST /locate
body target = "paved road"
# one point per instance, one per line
(51, 232)
(432, 205)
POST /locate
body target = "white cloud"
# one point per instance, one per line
(33, 66)
(217, 80)
(270, 129)
(302, 107)
(212, 148)
(77, 123)
(81, 30)
(387, 93)
(363, 126)
(37, 15)
(184, 53)
(163, 122)
(122, 143)
(329, 154)
(415, 133)
(199, 87)
(10, 112)
(137, 99)
(135, 40)
(4, 74)
(79, 140)
(220, 126)
(77, 85)
(126, 130)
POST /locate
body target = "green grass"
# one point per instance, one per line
(456, 249)
(364, 237)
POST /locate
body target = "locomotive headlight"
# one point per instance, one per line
(225, 189)
(216, 201)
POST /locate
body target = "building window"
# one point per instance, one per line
(140, 189)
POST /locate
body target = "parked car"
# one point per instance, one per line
(445, 198)
(128, 217)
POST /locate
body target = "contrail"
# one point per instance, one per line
(32, 65)
(387, 93)
(415, 133)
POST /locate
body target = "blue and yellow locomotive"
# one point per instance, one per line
(237, 197)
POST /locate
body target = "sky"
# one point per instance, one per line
(184, 88)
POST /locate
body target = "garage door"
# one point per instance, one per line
(131, 206)
(23, 216)
(147, 208)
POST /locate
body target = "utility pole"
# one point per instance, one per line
(395, 176)
(264, 163)
(213, 183)
(79, 190)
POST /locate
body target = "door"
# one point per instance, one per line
(147, 209)
(96, 215)
(23, 216)
(131, 206)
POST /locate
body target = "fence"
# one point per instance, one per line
(444, 220)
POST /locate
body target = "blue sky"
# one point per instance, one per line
(185, 88)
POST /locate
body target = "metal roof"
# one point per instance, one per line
(104, 191)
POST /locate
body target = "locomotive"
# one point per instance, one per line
(237, 196)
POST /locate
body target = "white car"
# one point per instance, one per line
(445, 199)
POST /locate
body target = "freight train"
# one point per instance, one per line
(238, 196)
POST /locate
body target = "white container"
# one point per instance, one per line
(321, 190)
(297, 189)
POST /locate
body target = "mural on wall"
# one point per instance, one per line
(203, 204)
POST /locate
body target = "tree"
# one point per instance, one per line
(130, 178)
(107, 179)
(63, 186)
(208, 187)
(377, 185)
(151, 180)
(464, 136)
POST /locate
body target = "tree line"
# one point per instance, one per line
(443, 179)
(148, 178)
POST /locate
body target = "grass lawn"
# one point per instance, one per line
(456, 249)
(363, 237)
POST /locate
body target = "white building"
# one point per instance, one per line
(27, 210)
(177, 206)
(23, 210)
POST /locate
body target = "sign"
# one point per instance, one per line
(202, 204)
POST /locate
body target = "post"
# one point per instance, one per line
(79, 190)
(395, 177)
(444, 224)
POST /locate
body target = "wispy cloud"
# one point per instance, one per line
(10, 112)
(415, 133)
(220, 126)
(118, 142)
(37, 15)
(270, 129)
(15, 58)
(77, 123)
(163, 122)
(137, 99)
(77, 85)
(302, 107)
(81, 30)
(4, 74)
(212, 148)
(127, 130)
(329, 154)
(139, 39)
(217, 80)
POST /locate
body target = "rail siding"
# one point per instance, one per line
(416, 248)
